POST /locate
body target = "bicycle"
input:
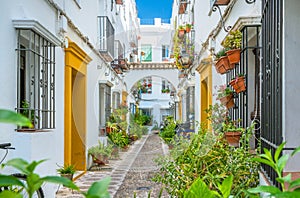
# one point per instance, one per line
(22, 177)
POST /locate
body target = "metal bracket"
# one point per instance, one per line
(215, 7)
(250, 1)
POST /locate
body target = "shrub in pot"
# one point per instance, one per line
(233, 44)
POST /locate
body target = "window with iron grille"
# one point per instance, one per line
(271, 106)
(116, 100)
(36, 78)
(246, 106)
(190, 104)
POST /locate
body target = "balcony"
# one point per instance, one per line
(107, 38)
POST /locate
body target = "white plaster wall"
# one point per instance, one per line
(41, 145)
(291, 96)
(156, 35)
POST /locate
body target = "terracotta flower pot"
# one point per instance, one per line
(228, 101)
(238, 84)
(233, 138)
(222, 65)
(234, 56)
(181, 33)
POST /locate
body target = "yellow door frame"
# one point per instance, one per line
(76, 61)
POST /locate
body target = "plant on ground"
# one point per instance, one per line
(119, 139)
(210, 158)
(66, 169)
(168, 132)
(289, 188)
(101, 149)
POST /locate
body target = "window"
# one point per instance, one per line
(165, 52)
(104, 103)
(146, 53)
(36, 78)
(146, 85)
(165, 86)
(116, 100)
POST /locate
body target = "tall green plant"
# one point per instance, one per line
(277, 163)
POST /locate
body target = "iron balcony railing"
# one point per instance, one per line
(106, 38)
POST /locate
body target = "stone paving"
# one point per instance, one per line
(131, 173)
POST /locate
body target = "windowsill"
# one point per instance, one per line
(24, 130)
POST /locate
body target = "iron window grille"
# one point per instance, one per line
(271, 106)
(36, 79)
(246, 107)
(107, 38)
(190, 106)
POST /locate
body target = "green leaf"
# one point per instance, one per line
(31, 167)
(287, 178)
(60, 180)
(278, 151)
(295, 184)
(264, 189)
(33, 183)
(296, 151)
(200, 188)
(8, 180)
(10, 194)
(19, 164)
(99, 189)
(8, 116)
(282, 162)
(225, 188)
(288, 194)
(265, 161)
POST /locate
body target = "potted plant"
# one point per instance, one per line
(238, 83)
(222, 64)
(233, 44)
(67, 171)
(232, 132)
(100, 153)
(188, 27)
(225, 95)
(181, 31)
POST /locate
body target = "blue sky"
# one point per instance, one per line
(148, 9)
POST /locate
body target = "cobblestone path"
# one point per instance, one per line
(131, 174)
(138, 179)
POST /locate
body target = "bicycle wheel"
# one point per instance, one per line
(37, 194)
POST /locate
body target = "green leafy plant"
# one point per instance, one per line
(168, 132)
(66, 169)
(277, 163)
(119, 139)
(200, 189)
(33, 180)
(210, 158)
(8, 116)
(101, 149)
(29, 113)
(221, 53)
(233, 40)
(231, 126)
(224, 91)
(216, 114)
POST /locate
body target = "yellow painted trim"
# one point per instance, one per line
(205, 71)
(76, 61)
(79, 58)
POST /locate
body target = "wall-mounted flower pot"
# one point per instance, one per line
(238, 84)
(119, 2)
(234, 56)
(222, 65)
(227, 101)
(181, 33)
(233, 138)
